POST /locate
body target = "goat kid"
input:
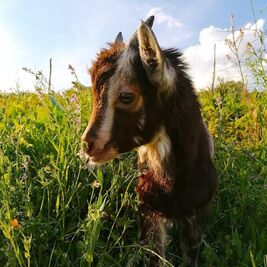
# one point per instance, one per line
(144, 99)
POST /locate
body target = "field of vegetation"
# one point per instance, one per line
(55, 210)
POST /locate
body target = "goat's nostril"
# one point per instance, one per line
(90, 146)
(84, 145)
(88, 140)
(87, 146)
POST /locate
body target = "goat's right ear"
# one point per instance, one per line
(131, 49)
(150, 52)
(149, 21)
(158, 69)
(133, 42)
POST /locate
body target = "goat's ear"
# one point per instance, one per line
(133, 42)
(149, 49)
(133, 47)
(157, 68)
(149, 21)
(119, 38)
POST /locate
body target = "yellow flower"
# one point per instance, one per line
(15, 223)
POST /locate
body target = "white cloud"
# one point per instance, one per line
(201, 56)
(169, 30)
(164, 18)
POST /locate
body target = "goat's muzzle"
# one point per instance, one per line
(95, 149)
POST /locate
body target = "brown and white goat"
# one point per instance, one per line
(143, 98)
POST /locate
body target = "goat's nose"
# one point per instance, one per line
(88, 141)
(90, 146)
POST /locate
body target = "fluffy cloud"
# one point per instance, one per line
(164, 18)
(201, 56)
(170, 31)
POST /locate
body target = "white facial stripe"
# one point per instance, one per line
(124, 63)
(105, 130)
(104, 133)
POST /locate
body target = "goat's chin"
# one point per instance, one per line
(103, 156)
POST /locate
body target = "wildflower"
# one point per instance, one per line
(26, 162)
(15, 223)
(95, 184)
(219, 101)
(24, 176)
(77, 121)
(74, 98)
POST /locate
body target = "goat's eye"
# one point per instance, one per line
(126, 98)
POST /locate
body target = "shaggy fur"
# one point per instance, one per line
(164, 123)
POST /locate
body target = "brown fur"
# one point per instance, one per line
(178, 178)
(105, 64)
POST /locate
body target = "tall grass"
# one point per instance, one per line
(55, 210)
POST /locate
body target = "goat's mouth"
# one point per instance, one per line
(101, 156)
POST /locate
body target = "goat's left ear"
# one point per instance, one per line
(158, 69)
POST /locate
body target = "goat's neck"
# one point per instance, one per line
(156, 154)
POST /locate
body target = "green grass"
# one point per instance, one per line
(71, 214)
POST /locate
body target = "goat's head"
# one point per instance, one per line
(128, 83)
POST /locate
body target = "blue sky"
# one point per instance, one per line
(72, 32)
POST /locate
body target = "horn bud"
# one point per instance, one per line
(119, 38)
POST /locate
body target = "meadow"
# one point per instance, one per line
(56, 210)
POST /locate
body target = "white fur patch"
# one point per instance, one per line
(142, 121)
(169, 78)
(156, 151)
(163, 145)
(104, 133)
(138, 140)
(105, 130)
